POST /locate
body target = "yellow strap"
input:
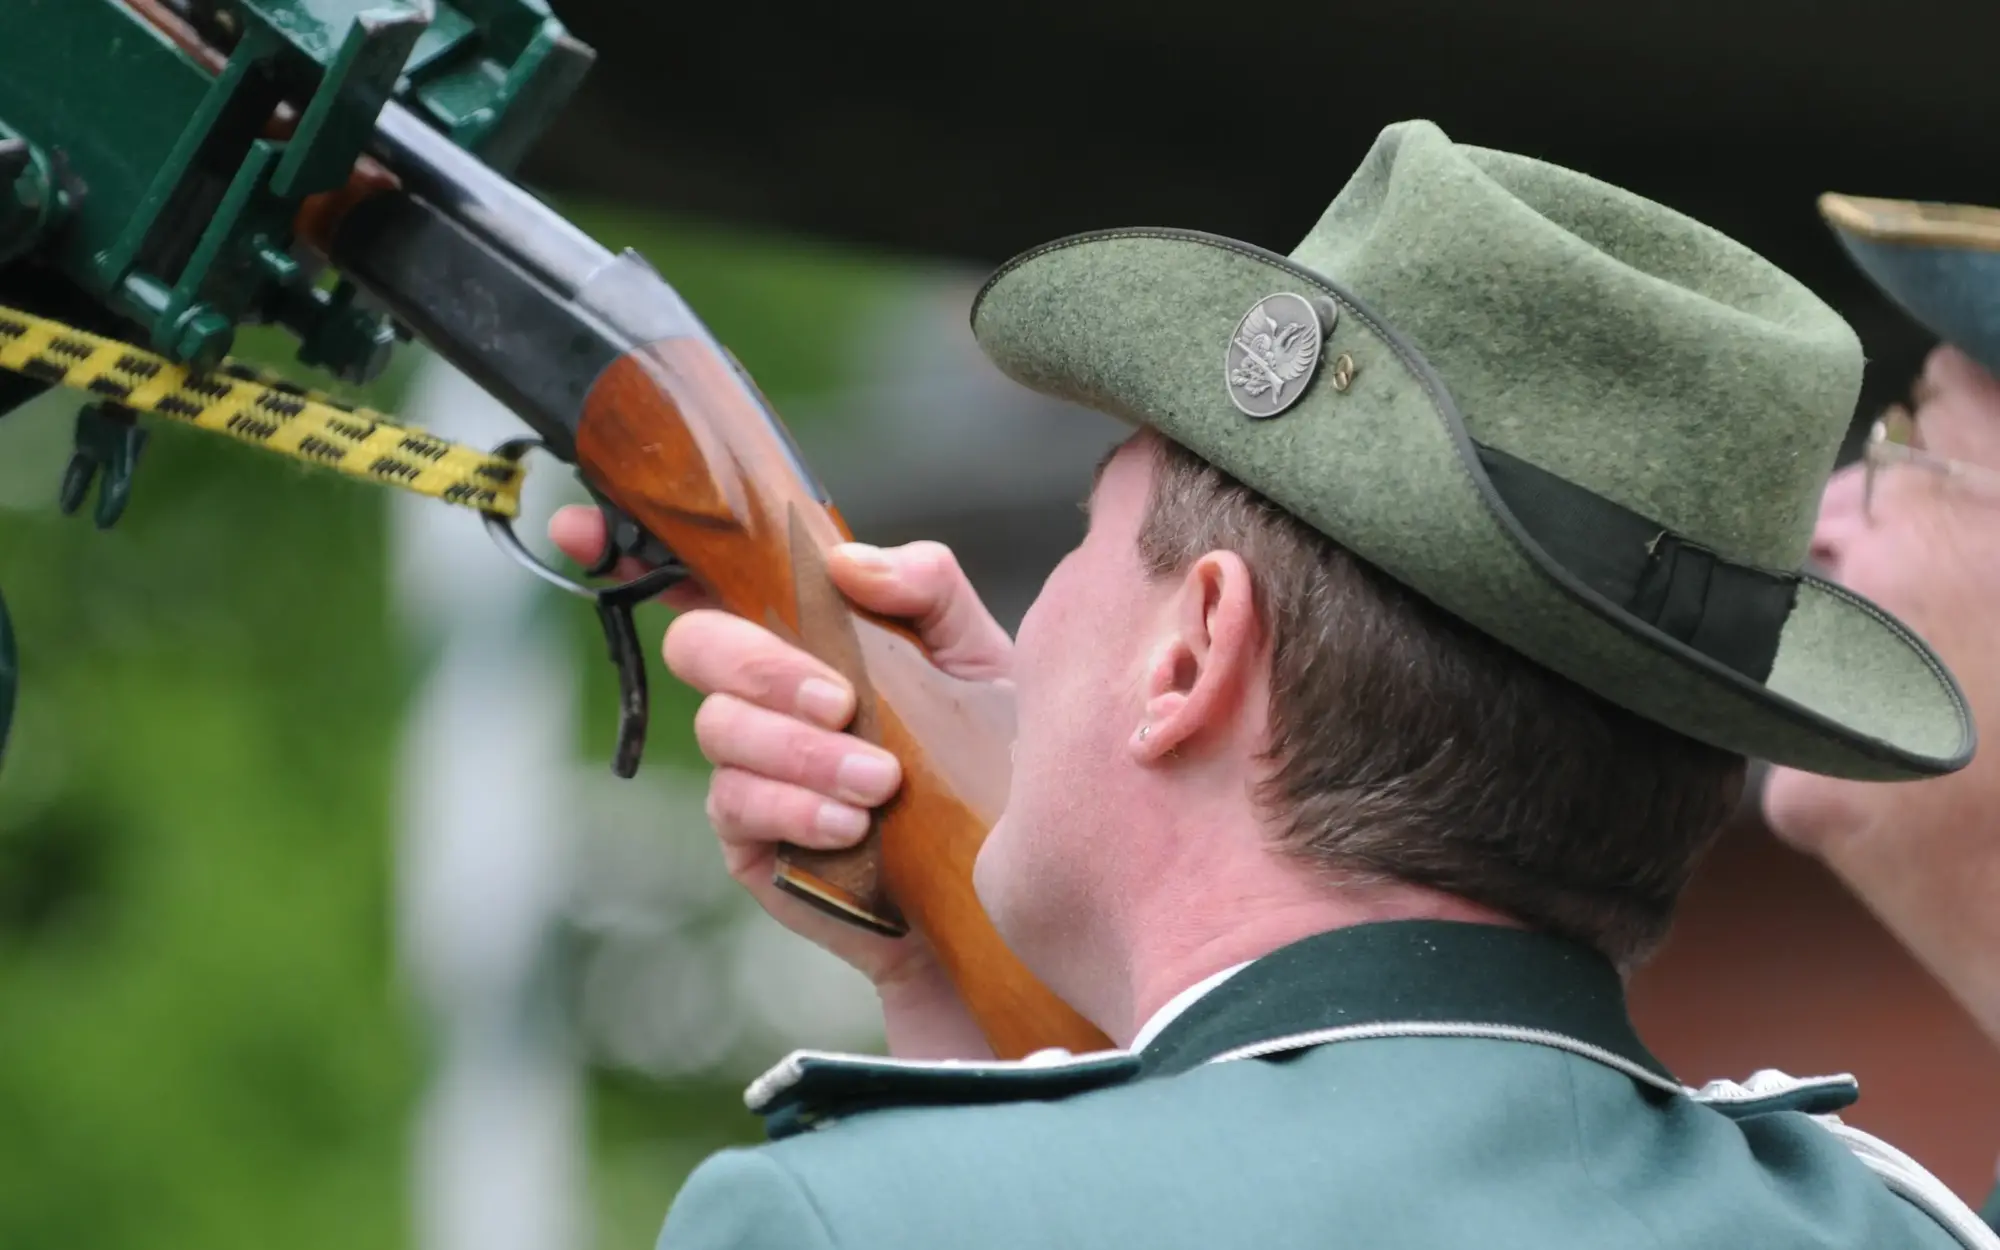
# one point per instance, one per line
(261, 409)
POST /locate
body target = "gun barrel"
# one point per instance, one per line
(504, 286)
(459, 183)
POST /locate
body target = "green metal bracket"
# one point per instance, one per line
(452, 84)
(358, 81)
(167, 191)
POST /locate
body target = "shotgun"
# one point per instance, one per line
(610, 371)
(613, 372)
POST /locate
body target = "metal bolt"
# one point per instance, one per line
(202, 337)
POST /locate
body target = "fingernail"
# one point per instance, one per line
(867, 557)
(866, 777)
(838, 820)
(823, 701)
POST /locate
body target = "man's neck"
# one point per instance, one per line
(1180, 950)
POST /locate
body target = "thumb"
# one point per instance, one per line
(922, 583)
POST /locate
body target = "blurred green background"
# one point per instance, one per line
(203, 1037)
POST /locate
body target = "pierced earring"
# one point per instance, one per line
(1143, 731)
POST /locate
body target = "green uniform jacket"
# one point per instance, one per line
(1403, 1085)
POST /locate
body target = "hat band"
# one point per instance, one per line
(1732, 613)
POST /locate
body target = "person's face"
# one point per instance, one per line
(1078, 670)
(1927, 549)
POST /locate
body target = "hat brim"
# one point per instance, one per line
(1939, 262)
(1135, 324)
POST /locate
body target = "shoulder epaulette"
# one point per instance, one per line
(808, 1089)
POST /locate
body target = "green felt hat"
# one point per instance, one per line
(1589, 426)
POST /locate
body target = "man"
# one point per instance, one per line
(1925, 544)
(1915, 526)
(1408, 665)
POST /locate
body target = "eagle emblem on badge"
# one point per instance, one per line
(1273, 354)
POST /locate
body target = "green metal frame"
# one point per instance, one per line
(146, 195)
(153, 187)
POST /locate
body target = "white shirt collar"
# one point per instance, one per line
(1178, 1004)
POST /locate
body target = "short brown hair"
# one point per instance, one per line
(1407, 745)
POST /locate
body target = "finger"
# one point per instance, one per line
(735, 734)
(922, 583)
(578, 532)
(719, 653)
(750, 813)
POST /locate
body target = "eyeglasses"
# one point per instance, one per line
(1894, 439)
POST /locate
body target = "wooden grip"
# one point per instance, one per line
(846, 882)
(678, 440)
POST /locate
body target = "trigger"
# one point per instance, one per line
(625, 537)
(622, 640)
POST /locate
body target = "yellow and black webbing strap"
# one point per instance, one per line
(261, 409)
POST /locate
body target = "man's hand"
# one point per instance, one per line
(784, 772)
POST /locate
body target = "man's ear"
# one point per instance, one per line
(1200, 666)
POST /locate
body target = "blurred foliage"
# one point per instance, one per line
(204, 1041)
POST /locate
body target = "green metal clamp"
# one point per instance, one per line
(157, 185)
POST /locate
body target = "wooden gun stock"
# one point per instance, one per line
(676, 437)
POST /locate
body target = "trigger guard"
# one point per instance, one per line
(665, 570)
(614, 604)
(608, 559)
